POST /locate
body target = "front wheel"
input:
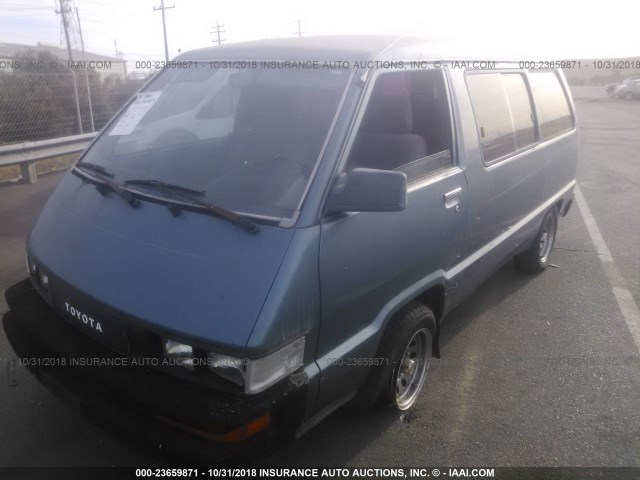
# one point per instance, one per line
(536, 258)
(406, 348)
(411, 371)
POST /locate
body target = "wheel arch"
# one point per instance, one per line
(559, 207)
(434, 298)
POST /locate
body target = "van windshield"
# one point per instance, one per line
(250, 139)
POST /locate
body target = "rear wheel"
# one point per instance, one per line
(536, 258)
(405, 351)
(628, 96)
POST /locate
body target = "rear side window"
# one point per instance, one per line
(503, 112)
(554, 114)
(521, 111)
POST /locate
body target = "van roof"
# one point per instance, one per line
(340, 48)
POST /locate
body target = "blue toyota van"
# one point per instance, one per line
(270, 230)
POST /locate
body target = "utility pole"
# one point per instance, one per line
(120, 55)
(299, 32)
(86, 73)
(63, 11)
(162, 8)
(217, 31)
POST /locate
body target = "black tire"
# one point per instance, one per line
(536, 258)
(628, 96)
(380, 384)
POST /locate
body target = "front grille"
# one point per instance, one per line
(143, 343)
(135, 341)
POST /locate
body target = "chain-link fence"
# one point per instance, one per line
(38, 102)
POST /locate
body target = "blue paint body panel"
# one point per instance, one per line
(194, 276)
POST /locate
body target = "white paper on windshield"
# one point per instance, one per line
(138, 109)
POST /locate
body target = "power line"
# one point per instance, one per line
(162, 8)
(19, 8)
(25, 15)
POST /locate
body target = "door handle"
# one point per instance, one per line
(452, 198)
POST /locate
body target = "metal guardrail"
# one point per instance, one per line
(26, 154)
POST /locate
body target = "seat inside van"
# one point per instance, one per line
(386, 139)
(406, 123)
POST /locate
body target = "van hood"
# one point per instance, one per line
(193, 276)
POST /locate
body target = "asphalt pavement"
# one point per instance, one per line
(535, 370)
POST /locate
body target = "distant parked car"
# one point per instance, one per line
(628, 90)
(610, 88)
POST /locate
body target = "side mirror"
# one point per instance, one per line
(369, 190)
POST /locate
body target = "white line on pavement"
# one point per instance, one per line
(627, 305)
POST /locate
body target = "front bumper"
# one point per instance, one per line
(143, 402)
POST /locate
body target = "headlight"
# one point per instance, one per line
(41, 278)
(259, 374)
(181, 353)
(228, 367)
(29, 267)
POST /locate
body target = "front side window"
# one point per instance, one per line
(250, 139)
(406, 126)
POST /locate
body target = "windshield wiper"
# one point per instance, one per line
(189, 194)
(95, 167)
(104, 184)
(168, 186)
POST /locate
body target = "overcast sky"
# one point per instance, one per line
(538, 29)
